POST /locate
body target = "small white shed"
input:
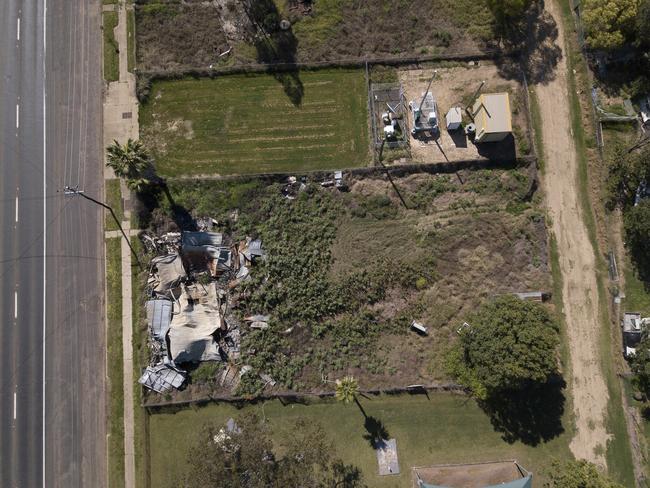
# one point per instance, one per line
(454, 118)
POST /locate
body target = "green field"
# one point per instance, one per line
(442, 428)
(247, 124)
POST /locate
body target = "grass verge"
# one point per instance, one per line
(115, 365)
(130, 39)
(113, 200)
(429, 429)
(246, 124)
(111, 49)
(140, 416)
(619, 456)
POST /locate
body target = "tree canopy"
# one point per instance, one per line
(626, 172)
(609, 23)
(578, 474)
(131, 162)
(509, 344)
(252, 457)
(640, 365)
(346, 389)
(505, 11)
(637, 237)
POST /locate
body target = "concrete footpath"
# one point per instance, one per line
(121, 124)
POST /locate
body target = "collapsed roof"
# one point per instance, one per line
(192, 332)
(169, 272)
(159, 316)
(162, 377)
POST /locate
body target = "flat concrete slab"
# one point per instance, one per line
(387, 457)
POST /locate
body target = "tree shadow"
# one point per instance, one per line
(276, 46)
(376, 432)
(150, 198)
(535, 39)
(531, 415)
(346, 475)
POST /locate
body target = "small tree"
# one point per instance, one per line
(510, 344)
(637, 237)
(131, 162)
(640, 364)
(578, 474)
(626, 172)
(347, 389)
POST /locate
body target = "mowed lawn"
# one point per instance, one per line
(443, 428)
(247, 124)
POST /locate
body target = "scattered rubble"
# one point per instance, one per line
(190, 316)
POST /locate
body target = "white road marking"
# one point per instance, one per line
(14, 405)
(18, 29)
(15, 304)
(17, 116)
(16, 208)
(43, 464)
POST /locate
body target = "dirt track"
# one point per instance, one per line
(577, 263)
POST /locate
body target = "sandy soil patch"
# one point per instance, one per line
(577, 263)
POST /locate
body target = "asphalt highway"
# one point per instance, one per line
(52, 349)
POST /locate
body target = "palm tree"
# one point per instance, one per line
(129, 161)
(347, 389)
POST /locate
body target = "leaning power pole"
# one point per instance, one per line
(69, 191)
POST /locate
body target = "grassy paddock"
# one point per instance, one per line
(111, 50)
(115, 367)
(440, 428)
(313, 120)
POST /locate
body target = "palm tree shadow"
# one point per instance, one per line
(275, 45)
(376, 432)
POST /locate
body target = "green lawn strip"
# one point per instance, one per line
(140, 361)
(109, 2)
(111, 49)
(619, 457)
(113, 200)
(440, 428)
(637, 298)
(130, 39)
(536, 117)
(247, 124)
(115, 364)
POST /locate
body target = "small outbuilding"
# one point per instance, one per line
(454, 118)
(492, 117)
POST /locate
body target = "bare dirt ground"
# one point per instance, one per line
(455, 87)
(577, 263)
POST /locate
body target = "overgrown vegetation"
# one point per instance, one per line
(182, 35)
(111, 49)
(346, 273)
(629, 176)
